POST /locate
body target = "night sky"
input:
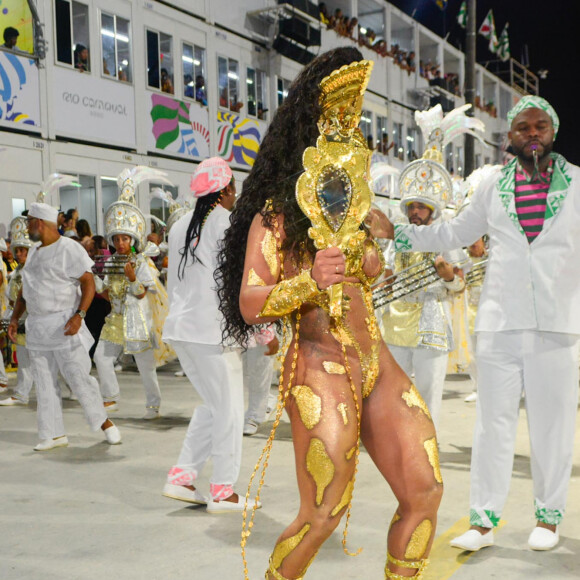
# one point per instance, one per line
(551, 32)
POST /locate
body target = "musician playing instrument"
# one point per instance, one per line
(21, 243)
(129, 279)
(338, 379)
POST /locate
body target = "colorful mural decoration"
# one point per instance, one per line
(16, 13)
(19, 90)
(238, 138)
(179, 126)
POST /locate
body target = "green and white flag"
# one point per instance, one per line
(503, 49)
(487, 30)
(462, 15)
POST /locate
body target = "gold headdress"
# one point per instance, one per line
(333, 192)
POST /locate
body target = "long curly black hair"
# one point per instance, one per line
(273, 176)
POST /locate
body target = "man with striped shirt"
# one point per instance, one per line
(528, 322)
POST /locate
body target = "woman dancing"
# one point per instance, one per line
(339, 382)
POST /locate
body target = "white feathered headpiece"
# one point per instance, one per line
(177, 207)
(123, 216)
(426, 180)
(53, 183)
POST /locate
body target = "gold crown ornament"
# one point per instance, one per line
(333, 192)
(341, 98)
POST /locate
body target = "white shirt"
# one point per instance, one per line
(50, 277)
(193, 303)
(527, 286)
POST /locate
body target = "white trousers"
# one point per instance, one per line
(430, 367)
(258, 372)
(105, 356)
(472, 369)
(24, 380)
(215, 429)
(545, 366)
(3, 375)
(74, 364)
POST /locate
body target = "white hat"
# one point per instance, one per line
(43, 211)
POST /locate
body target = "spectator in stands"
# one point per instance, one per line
(81, 58)
(370, 142)
(11, 38)
(261, 111)
(351, 27)
(166, 82)
(200, 94)
(188, 88)
(410, 62)
(335, 19)
(324, 16)
(60, 223)
(385, 146)
(436, 81)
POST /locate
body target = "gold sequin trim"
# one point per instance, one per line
(342, 408)
(270, 252)
(433, 454)
(413, 399)
(289, 295)
(309, 405)
(350, 453)
(345, 499)
(254, 279)
(417, 545)
(395, 519)
(320, 466)
(286, 546)
(333, 368)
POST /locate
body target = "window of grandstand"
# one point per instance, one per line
(160, 61)
(381, 133)
(413, 144)
(17, 27)
(116, 47)
(193, 63)
(256, 90)
(398, 149)
(282, 89)
(72, 34)
(83, 198)
(229, 84)
(366, 126)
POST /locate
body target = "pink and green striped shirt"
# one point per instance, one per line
(531, 194)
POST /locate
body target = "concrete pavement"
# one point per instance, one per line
(92, 511)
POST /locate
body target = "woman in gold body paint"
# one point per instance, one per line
(339, 381)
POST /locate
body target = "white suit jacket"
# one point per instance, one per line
(527, 286)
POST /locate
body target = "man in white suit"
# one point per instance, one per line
(528, 323)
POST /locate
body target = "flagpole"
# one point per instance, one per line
(470, 47)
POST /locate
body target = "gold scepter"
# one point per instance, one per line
(333, 192)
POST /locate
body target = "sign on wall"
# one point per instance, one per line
(93, 109)
(178, 127)
(19, 90)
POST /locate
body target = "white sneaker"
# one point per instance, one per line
(118, 368)
(151, 414)
(113, 435)
(471, 398)
(3, 388)
(179, 374)
(472, 541)
(183, 493)
(11, 402)
(223, 506)
(250, 427)
(543, 539)
(48, 444)
(111, 406)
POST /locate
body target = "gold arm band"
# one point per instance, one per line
(289, 295)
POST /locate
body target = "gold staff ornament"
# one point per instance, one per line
(333, 192)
